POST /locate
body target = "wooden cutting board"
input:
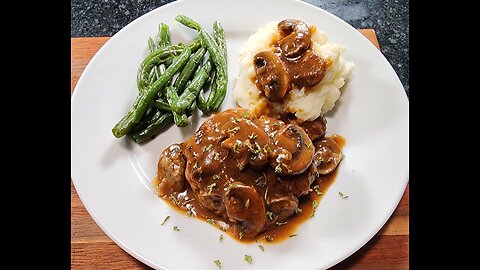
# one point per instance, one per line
(91, 248)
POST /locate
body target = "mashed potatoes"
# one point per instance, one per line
(306, 104)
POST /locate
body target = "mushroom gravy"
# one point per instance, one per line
(290, 62)
(253, 177)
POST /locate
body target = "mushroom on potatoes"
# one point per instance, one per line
(271, 75)
(296, 37)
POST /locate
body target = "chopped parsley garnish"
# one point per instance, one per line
(248, 259)
(259, 182)
(256, 152)
(190, 210)
(223, 229)
(252, 136)
(217, 156)
(317, 174)
(241, 235)
(342, 195)
(234, 130)
(281, 223)
(293, 235)
(245, 115)
(209, 147)
(216, 177)
(261, 248)
(221, 238)
(317, 190)
(314, 207)
(298, 210)
(236, 145)
(175, 228)
(211, 187)
(211, 221)
(269, 214)
(218, 263)
(240, 166)
(234, 120)
(268, 238)
(278, 168)
(195, 166)
(309, 145)
(165, 220)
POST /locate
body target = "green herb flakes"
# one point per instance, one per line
(269, 215)
(209, 147)
(261, 248)
(343, 196)
(221, 238)
(211, 221)
(175, 228)
(248, 259)
(211, 187)
(218, 263)
(278, 168)
(165, 220)
(315, 204)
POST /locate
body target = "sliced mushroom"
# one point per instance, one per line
(282, 207)
(299, 185)
(246, 208)
(271, 76)
(293, 150)
(306, 70)
(171, 170)
(212, 202)
(315, 129)
(327, 155)
(296, 37)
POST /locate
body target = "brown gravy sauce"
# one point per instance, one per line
(186, 204)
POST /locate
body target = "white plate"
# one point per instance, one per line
(112, 176)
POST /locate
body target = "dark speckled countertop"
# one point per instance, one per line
(389, 18)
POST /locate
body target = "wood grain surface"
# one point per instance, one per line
(92, 249)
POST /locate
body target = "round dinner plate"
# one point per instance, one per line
(112, 176)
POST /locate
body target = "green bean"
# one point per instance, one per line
(180, 118)
(151, 61)
(151, 92)
(189, 69)
(146, 121)
(153, 128)
(191, 91)
(201, 102)
(219, 35)
(142, 102)
(162, 105)
(126, 123)
(151, 45)
(218, 57)
(163, 39)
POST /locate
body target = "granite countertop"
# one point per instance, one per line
(389, 18)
